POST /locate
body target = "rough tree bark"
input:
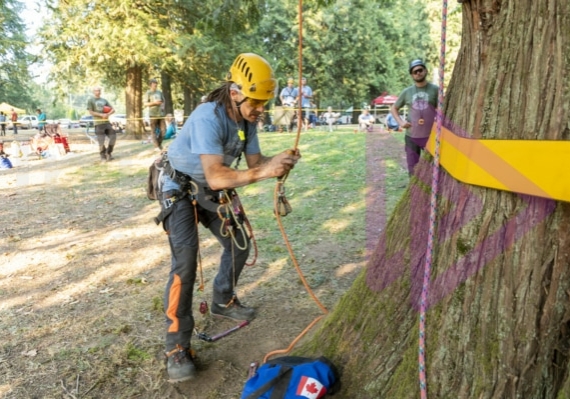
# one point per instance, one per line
(167, 92)
(498, 324)
(134, 94)
(188, 101)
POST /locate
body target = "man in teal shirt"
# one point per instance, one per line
(41, 119)
(154, 100)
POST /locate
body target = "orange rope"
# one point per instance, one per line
(277, 192)
(276, 352)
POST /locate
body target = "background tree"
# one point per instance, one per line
(121, 42)
(498, 319)
(14, 59)
(353, 50)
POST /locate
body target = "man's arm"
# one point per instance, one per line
(155, 102)
(221, 177)
(101, 114)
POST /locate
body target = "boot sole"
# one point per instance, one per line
(221, 316)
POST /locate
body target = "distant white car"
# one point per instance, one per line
(118, 119)
(86, 121)
(28, 122)
(67, 123)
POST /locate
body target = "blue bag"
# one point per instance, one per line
(5, 163)
(293, 377)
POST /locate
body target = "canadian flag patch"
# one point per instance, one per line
(310, 388)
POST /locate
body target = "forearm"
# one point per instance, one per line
(395, 113)
(221, 177)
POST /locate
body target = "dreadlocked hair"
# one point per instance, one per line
(221, 95)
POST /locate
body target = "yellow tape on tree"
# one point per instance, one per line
(534, 167)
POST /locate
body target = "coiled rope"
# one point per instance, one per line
(433, 210)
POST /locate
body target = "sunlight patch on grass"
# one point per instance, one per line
(347, 269)
(335, 226)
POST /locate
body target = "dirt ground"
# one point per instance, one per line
(82, 274)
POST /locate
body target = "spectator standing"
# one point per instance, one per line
(288, 98)
(101, 109)
(41, 119)
(14, 119)
(154, 102)
(216, 134)
(289, 94)
(421, 100)
(2, 123)
(305, 95)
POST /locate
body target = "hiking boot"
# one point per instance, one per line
(179, 365)
(109, 157)
(235, 311)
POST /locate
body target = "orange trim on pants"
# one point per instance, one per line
(173, 301)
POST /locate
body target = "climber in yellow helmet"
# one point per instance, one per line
(199, 178)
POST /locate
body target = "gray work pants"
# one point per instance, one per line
(183, 239)
(102, 131)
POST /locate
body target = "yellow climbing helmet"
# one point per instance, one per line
(254, 76)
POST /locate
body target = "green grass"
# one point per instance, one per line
(326, 189)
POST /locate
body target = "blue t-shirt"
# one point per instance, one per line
(210, 131)
(307, 91)
(391, 122)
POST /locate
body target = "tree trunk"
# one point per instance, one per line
(188, 101)
(167, 92)
(134, 94)
(498, 319)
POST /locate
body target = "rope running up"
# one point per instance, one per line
(433, 210)
(279, 189)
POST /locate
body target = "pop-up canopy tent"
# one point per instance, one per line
(381, 105)
(384, 99)
(6, 108)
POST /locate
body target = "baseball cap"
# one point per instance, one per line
(153, 80)
(416, 63)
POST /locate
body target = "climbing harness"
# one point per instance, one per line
(229, 211)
